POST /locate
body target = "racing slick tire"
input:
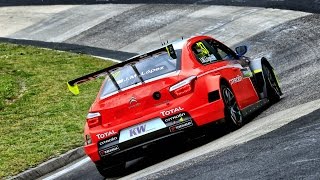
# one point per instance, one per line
(273, 89)
(110, 171)
(232, 112)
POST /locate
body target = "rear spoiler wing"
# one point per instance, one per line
(73, 84)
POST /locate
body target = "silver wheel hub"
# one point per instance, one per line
(232, 107)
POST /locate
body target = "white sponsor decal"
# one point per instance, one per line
(174, 117)
(171, 111)
(236, 79)
(141, 129)
(180, 126)
(105, 135)
(105, 152)
(108, 141)
(150, 71)
(211, 58)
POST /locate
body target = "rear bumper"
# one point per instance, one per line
(110, 149)
(145, 145)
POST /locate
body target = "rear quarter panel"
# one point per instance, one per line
(224, 70)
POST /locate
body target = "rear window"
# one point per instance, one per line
(148, 67)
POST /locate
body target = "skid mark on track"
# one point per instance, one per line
(132, 25)
(306, 160)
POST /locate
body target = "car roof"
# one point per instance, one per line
(179, 43)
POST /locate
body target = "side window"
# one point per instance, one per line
(222, 50)
(204, 54)
(223, 54)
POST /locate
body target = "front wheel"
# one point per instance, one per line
(233, 114)
(273, 88)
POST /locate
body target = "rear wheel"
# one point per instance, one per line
(273, 88)
(233, 114)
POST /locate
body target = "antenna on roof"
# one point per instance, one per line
(160, 38)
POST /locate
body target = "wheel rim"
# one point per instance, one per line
(232, 107)
(273, 83)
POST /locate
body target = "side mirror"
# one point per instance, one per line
(241, 50)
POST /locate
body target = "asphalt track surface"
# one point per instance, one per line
(291, 152)
(132, 25)
(305, 5)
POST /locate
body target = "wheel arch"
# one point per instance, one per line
(265, 62)
(231, 123)
(256, 68)
(213, 86)
(224, 81)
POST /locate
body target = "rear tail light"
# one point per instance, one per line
(183, 87)
(88, 139)
(93, 119)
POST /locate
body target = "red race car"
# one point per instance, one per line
(171, 90)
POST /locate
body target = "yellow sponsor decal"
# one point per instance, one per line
(181, 119)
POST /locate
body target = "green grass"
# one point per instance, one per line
(39, 117)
